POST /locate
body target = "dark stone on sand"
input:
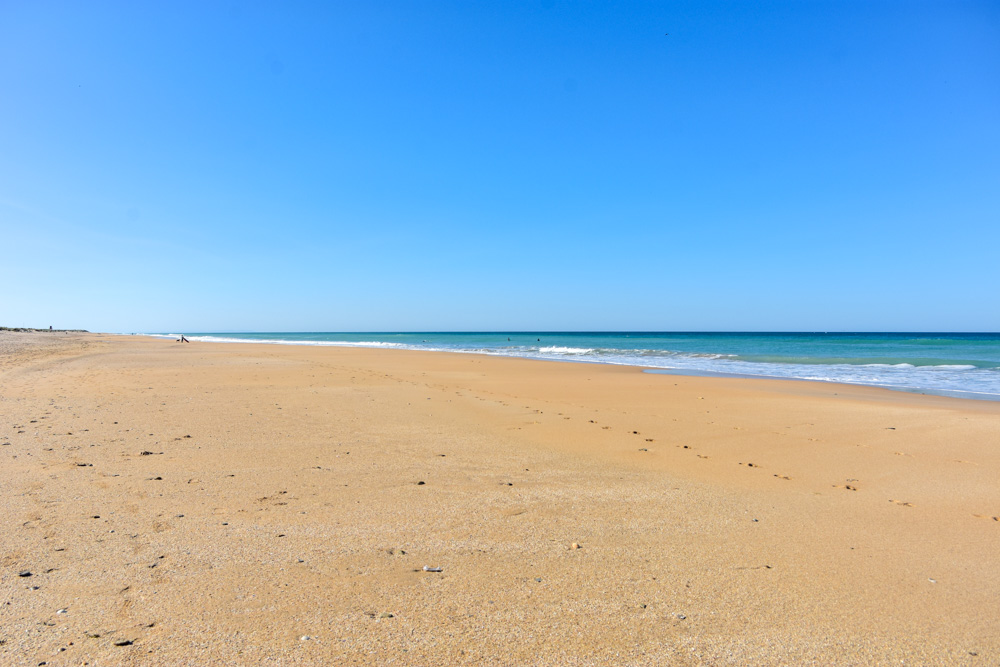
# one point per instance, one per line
(421, 483)
(24, 573)
(123, 642)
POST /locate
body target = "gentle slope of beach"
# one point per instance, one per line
(235, 504)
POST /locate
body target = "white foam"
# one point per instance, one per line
(943, 377)
(278, 341)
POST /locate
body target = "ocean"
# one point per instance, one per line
(966, 365)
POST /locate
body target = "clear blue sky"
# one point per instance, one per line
(228, 166)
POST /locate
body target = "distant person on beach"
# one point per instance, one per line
(184, 340)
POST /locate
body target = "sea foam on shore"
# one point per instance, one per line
(958, 364)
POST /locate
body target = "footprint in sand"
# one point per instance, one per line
(901, 503)
(847, 487)
(783, 477)
(986, 516)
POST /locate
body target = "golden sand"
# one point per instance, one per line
(255, 504)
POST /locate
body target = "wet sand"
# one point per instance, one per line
(249, 504)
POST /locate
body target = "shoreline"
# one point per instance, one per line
(654, 370)
(247, 496)
(961, 395)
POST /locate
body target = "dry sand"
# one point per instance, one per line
(254, 504)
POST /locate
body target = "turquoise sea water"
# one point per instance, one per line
(959, 364)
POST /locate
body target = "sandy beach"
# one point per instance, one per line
(169, 503)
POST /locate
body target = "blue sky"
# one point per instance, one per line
(504, 165)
